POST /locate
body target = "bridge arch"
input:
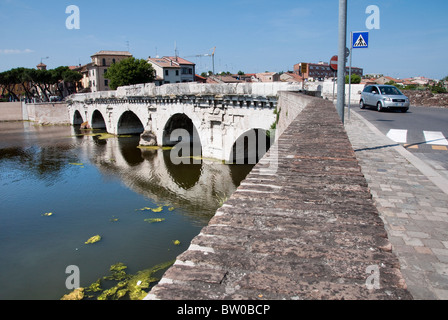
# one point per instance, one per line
(250, 146)
(129, 123)
(77, 118)
(98, 121)
(180, 129)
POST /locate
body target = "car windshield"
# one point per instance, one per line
(390, 91)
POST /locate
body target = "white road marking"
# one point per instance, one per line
(399, 136)
(435, 137)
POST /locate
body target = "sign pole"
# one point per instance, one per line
(341, 60)
(350, 76)
(334, 67)
(334, 81)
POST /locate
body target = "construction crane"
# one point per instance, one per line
(207, 55)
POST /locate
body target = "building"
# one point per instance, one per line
(101, 61)
(268, 77)
(85, 81)
(290, 77)
(223, 79)
(172, 70)
(321, 70)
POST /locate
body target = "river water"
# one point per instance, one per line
(95, 185)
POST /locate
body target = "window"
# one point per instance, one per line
(105, 70)
(113, 61)
(368, 89)
(104, 61)
(177, 72)
(167, 72)
(106, 83)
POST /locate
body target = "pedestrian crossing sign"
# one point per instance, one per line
(360, 40)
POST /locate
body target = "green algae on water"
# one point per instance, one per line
(154, 220)
(159, 209)
(130, 287)
(76, 164)
(93, 239)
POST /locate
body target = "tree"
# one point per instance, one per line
(355, 79)
(129, 71)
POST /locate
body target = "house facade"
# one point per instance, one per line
(101, 61)
(172, 70)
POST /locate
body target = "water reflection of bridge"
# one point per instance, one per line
(196, 187)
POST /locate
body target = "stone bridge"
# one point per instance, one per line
(214, 116)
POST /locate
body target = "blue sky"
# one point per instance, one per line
(249, 35)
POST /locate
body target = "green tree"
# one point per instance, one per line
(355, 79)
(129, 71)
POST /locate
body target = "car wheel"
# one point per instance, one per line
(361, 104)
(404, 110)
(379, 107)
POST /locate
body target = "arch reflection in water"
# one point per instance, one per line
(198, 188)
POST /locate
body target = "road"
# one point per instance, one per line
(422, 131)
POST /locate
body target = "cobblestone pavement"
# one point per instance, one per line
(412, 200)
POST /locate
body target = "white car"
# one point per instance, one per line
(384, 97)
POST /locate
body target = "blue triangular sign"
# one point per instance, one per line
(360, 40)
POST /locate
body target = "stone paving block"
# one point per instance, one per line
(417, 227)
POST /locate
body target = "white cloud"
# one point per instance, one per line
(15, 51)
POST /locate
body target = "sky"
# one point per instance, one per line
(249, 35)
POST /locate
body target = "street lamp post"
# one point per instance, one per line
(341, 60)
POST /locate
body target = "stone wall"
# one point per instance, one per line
(47, 113)
(43, 113)
(11, 111)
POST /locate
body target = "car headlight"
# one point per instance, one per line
(387, 99)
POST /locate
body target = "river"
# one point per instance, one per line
(60, 186)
